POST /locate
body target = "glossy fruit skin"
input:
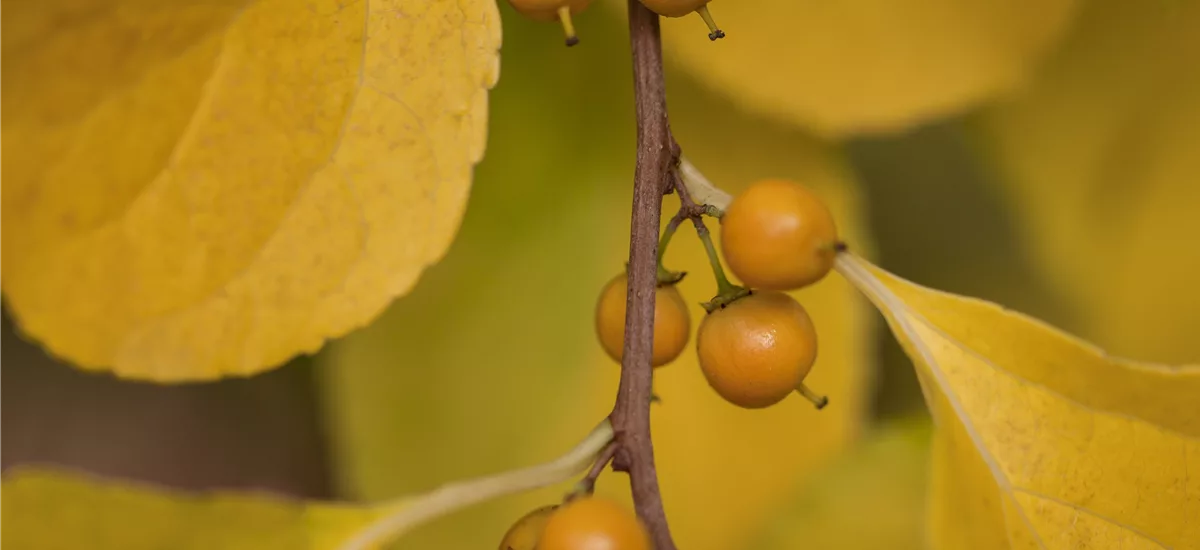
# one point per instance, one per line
(672, 321)
(756, 350)
(778, 235)
(674, 8)
(594, 523)
(525, 533)
(547, 10)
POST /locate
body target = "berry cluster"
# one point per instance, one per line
(755, 345)
(562, 10)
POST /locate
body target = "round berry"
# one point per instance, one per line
(524, 534)
(680, 8)
(594, 523)
(547, 10)
(757, 349)
(778, 235)
(672, 322)
(674, 8)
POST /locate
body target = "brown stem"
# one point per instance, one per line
(657, 154)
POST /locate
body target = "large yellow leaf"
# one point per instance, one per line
(869, 499)
(51, 509)
(866, 66)
(206, 189)
(493, 360)
(1043, 440)
(1099, 161)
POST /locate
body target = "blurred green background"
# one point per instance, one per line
(1071, 198)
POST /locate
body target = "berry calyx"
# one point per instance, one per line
(553, 10)
(672, 321)
(680, 8)
(778, 235)
(594, 523)
(758, 349)
(525, 533)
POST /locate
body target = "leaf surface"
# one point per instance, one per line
(55, 509)
(1098, 161)
(206, 190)
(1044, 441)
(866, 66)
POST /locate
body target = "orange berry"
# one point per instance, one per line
(674, 8)
(757, 349)
(778, 235)
(594, 523)
(680, 8)
(524, 534)
(672, 322)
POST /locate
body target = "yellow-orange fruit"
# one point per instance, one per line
(672, 322)
(525, 533)
(778, 235)
(547, 10)
(594, 523)
(674, 8)
(757, 349)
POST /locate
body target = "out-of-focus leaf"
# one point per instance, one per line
(195, 191)
(871, 498)
(1099, 160)
(1043, 440)
(51, 509)
(493, 359)
(866, 66)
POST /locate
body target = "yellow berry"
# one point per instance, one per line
(594, 523)
(757, 349)
(680, 8)
(525, 533)
(672, 322)
(778, 235)
(553, 10)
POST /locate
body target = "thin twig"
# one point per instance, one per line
(587, 485)
(657, 153)
(408, 512)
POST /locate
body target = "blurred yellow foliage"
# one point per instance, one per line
(1078, 449)
(870, 499)
(54, 509)
(865, 66)
(207, 190)
(1099, 157)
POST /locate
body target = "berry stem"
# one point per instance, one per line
(819, 401)
(665, 275)
(587, 485)
(724, 287)
(564, 17)
(714, 32)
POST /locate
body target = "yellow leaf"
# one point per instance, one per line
(1099, 162)
(1044, 441)
(866, 66)
(207, 190)
(493, 360)
(52, 508)
(871, 498)
(55, 509)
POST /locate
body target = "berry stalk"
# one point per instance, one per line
(657, 153)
